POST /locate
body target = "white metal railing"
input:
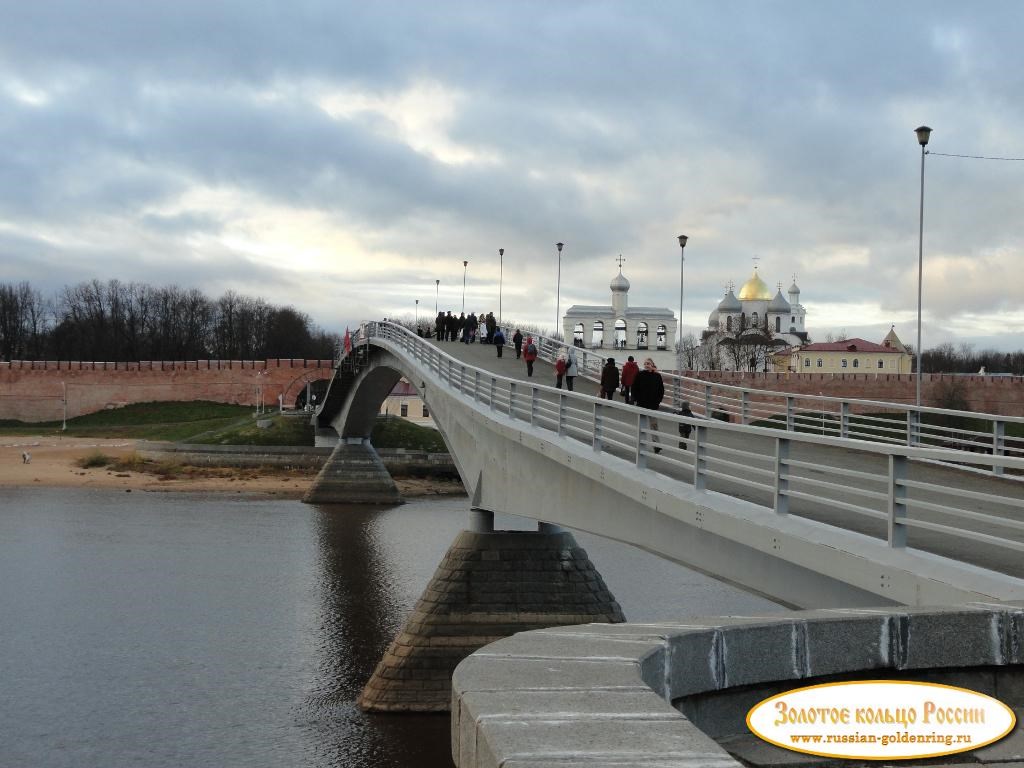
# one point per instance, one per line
(861, 419)
(865, 485)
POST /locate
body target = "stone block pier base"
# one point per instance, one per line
(488, 586)
(353, 474)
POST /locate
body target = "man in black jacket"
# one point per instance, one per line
(648, 392)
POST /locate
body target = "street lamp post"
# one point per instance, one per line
(437, 290)
(558, 289)
(923, 134)
(64, 423)
(501, 260)
(465, 266)
(679, 359)
(416, 320)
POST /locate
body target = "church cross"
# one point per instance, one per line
(755, 259)
(620, 260)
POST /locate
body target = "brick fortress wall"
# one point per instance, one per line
(1003, 395)
(34, 391)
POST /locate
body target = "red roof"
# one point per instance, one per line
(850, 345)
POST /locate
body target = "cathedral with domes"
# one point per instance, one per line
(755, 311)
(754, 329)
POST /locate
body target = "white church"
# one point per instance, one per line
(620, 328)
(756, 310)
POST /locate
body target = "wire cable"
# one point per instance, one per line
(976, 157)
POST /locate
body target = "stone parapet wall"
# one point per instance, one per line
(637, 694)
(1003, 395)
(34, 391)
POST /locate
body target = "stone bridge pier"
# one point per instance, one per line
(490, 584)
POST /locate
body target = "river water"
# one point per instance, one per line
(167, 629)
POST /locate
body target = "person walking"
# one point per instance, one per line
(571, 369)
(491, 325)
(560, 364)
(499, 340)
(517, 342)
(648, 392)
(609, 379)
(684, 429)
(529, 354)
(439, 325)
(629, 371)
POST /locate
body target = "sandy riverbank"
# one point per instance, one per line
(54, 464)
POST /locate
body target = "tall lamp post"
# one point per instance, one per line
(465, 265)
(437, 290)
(558, 289)
(923, 134)
(501, 259)
(64, 423)
(416, 322)
(682, 262)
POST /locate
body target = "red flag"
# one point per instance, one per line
(348, 341)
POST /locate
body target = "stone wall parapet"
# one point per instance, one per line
(635, 694)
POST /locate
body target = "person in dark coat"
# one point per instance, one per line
(492, 326)
(439, 325)
(517, 342)
(529, 354)
(648, 392)
(499, 340)
(609, 379)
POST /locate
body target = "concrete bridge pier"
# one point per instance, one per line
(353, 474)
(489, 585)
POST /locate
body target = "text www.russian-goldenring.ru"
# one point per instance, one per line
(901, 737)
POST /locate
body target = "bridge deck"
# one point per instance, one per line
(978, 553)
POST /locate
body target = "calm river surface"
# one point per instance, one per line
(160, 629)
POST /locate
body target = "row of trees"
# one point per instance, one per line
(117, 321)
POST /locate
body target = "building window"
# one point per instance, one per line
(426, 411)
(819, 362)
(792, 319)
(577, 335)
(405, 409)
(856, 363)
(880, 363)
(753, 320)
(807, 362)
(728, 323)
(778, 324)
(662, 336)
(844, 362)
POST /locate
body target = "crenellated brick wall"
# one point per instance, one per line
(1003, 395)
(34, 391)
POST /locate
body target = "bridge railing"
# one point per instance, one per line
(862, 419)
(882, 497)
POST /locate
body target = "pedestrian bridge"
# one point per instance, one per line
(870, 509)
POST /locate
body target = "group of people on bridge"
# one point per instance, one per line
(466, 328)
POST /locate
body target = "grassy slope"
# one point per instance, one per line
(218, 424)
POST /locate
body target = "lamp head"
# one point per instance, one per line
(923, 133)
(465, 263)
(682, 241)
(559, 246)
(501, 251)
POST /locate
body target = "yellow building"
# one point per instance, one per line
(854, 356)
(404, 401)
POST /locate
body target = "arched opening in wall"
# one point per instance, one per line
(778, 324)
(597, 340)
(577, 335)
(662, 337)
(641, 336)
(314, 390)
(620, 334)
(728, 323)
(753, 320)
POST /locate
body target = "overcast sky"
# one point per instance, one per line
(341, 157)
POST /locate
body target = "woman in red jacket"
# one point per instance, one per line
(629, 371)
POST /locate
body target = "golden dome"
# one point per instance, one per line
(754, 289)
